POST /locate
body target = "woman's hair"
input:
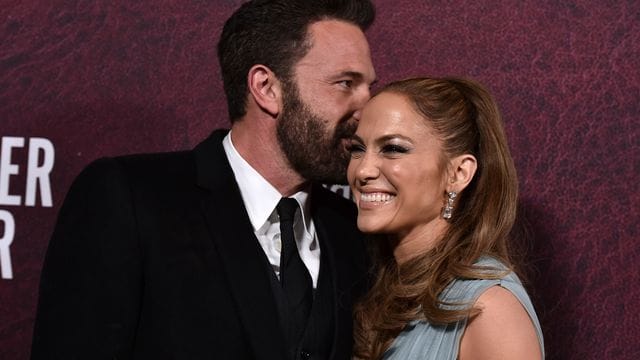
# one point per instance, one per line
(466, 119)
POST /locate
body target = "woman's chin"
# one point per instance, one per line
(370, 227)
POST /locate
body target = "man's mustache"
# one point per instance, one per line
(346, 129)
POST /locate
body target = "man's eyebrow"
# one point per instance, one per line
(351, 74)
(348, 74)
(355, 75)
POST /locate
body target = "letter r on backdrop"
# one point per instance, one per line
(5, 241)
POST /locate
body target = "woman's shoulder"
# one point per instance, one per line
(507, 324)
(464, 291)
(443, 342)
(502, 329)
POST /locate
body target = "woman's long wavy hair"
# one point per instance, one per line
(465, 117)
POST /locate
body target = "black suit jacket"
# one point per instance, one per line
(154, 257)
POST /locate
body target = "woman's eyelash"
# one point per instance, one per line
(355, 148)
(392, 148)
(386, 149)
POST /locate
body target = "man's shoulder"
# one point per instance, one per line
(165, 164)
(147, 164)
(144, 173)
(334, 211)
(334, 200)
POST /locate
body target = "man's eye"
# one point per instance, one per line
(346, 83)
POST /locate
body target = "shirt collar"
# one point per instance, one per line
(259, 196)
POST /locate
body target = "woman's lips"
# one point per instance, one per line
(370, 200)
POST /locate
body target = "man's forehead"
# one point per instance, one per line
(331, 31)
(340, 45)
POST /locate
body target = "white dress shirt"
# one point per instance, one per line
(260, 199)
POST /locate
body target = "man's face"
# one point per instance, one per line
(322, 103)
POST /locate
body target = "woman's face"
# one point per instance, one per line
(396, 171)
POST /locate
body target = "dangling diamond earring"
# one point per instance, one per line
(447, 211)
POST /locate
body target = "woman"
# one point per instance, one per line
(431, 173)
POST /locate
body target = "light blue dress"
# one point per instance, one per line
(420, 340)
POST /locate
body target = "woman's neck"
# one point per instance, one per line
(417, 240)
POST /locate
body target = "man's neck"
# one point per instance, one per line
(258, 146)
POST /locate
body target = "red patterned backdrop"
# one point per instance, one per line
(84, 79)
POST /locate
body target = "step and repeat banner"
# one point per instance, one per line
(81, 80)
(37, 169)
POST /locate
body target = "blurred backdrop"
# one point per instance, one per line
(82, 79)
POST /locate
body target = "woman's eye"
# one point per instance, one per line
(355, 149)
(392, 149)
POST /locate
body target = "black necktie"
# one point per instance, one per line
(294, 276)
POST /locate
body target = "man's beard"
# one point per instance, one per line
(314, 152)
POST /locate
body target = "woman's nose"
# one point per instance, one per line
(367, 168)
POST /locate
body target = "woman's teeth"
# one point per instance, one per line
(376, 197)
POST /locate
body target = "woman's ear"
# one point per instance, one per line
(265, 89)
(461, 171)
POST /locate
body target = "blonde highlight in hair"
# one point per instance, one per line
(467, 120)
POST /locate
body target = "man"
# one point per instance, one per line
(178, 255)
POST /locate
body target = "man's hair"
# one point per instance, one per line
(274, 33)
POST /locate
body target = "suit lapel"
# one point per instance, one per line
(335, 231)
(241, 255)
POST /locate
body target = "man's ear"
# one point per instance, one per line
(461, 171)
(265, 89)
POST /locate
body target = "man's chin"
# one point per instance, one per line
(333, 177)
(337, 176)
(340, 181)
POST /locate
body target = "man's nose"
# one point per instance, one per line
(363, 95)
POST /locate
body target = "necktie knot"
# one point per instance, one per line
(287, 208)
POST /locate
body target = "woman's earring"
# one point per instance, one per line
(448, 208)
